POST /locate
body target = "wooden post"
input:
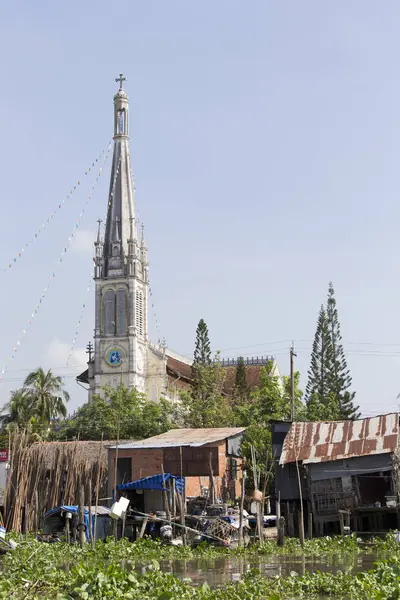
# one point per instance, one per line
(97, 490)
(67, 532)
(36, 511)
(183, 501)
(90, 514)
(292, 407)
(123, 525)
(81, 516)
(212, 484)
(310, 526)
(281, 531)
(243, 485)
(173, 498)
(260, 514)
(301, 515)
(165, 495)
(143, 527)
(341, 522)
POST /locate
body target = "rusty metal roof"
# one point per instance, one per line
(313, 442)
(185, 437)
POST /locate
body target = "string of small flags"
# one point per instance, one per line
(154, 313)
(156, 321)
(46, 223)
(79, 320)
(51, 278)
(84, 304)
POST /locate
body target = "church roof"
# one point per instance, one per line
(121, 210)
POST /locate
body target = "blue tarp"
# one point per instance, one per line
(105, 512)
(155, 482)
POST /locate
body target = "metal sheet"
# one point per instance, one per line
(313, 442)
(185, 437)
(357, 465)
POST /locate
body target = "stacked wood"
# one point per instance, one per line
(45, 475)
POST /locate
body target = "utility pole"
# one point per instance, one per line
(89, 350)
(292, 355)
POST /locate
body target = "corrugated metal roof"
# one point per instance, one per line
(185, 437)
(313, 442)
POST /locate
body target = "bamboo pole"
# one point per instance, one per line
(301, 519)
(97, 491)
(165, 495)
(81, 516)
(243, 487)
(183, 501)
(212, 482)
(90, 513)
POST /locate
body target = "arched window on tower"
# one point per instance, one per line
(121, 122)
(139, 312)
(109, 312)
(121, 312)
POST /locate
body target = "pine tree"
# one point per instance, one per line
(317, 390)
(339, 378)
(202, 363)
(240, 379)
(202, 351)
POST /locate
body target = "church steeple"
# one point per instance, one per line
(121, 202)
(121, 274)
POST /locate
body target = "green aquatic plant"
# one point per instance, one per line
(38, 571)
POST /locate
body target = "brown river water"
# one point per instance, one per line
(220, 571)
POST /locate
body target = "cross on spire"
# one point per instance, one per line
(121, 80)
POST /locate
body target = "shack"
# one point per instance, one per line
(146, 495)
(198, 456)
(55, 521)
(345, 467)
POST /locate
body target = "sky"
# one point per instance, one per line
(265, 141)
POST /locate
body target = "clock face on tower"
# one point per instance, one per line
(113, 357)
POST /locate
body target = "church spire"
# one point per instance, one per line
(121, 204)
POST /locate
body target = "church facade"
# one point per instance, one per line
(123, 352)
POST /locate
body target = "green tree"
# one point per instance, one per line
(202, 351)
(47, 395)
(339, 378)
(269, 402)
(240, 390)
(317, 388)
(124, 413)
(20, 409)
(206, 404)
(300, 412)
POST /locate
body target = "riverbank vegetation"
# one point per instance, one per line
(57, 571)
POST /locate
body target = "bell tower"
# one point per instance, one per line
(120, 274)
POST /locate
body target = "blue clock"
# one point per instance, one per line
(113, 357)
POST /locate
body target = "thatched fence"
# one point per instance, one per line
(44, 475)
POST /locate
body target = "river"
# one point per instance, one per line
(220, 571)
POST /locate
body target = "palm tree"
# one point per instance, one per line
(20, 409)
(47, 394)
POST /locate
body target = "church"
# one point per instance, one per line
(123, 352)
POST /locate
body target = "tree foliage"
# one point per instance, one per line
(33, 407)
(318, 374)
(202, 351)
(269, 402)
(339, 375)
(327, 393)
(206, 404)
(240, 390)
(124, 413)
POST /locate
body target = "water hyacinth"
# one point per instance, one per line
(57, 571)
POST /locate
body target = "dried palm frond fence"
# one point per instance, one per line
(44, 475)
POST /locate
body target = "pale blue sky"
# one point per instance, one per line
(266, 146)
